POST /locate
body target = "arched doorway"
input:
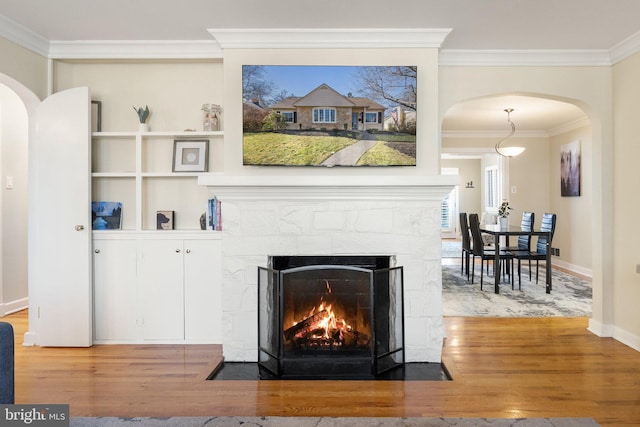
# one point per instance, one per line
(16, 102)
(531, 181)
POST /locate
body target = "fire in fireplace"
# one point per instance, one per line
(330, 317)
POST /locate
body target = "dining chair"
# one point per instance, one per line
(478, 250)
(548, 224)
(524, 242)
(466, 254)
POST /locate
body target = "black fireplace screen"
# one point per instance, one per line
(330, 321)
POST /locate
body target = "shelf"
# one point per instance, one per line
(134, 168)
(113, 175)
(195, 134)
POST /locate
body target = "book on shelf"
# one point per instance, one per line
(214, 214)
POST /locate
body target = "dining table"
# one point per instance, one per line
(497, 231)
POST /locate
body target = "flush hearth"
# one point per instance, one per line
(330, 317)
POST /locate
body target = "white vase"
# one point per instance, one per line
(504, 222)
(143, 127)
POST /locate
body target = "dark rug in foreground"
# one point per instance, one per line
(408, 372)
(570, 296)
(329, 422)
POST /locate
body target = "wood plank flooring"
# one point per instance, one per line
(534, 367)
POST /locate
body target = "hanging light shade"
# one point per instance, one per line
(509, 151)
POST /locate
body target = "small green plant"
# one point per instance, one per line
(142, 113)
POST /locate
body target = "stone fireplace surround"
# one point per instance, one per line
(331, 215)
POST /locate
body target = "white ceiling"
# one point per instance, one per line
(485, 25)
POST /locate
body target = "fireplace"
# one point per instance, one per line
(330, 316)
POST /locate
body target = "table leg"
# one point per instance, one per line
(548, 286)
(496, 264)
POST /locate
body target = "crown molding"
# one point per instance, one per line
(572, 125)
(327, 38)
(518, 58)
(130, 49)
(625, 48)
(478, 134)
(23, 36)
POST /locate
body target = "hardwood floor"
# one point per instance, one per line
(508, 368)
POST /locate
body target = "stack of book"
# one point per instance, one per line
(214, 217)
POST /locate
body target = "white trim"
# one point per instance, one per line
(316, 187)
(572, 125)
(493, 134)
(610, 331)
(327, 38)
(135, 49)
(573, 268)
(14, 306)
(524, 58)
(23, 36)
(625, 48)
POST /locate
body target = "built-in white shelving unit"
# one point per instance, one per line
(135, 168)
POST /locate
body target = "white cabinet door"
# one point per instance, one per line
(60, 221)
(115, 290)
(202, 291)
(161, 289)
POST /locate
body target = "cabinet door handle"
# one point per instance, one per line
(97, 251)
(79, 227)
(188, 251)
(177, 251)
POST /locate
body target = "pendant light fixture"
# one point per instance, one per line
(509, 151)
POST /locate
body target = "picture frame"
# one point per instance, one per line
(96, 116)
(190, 155)
(164, 220)
(106, 215)
(570, 159)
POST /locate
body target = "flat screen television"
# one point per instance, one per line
(329, 115)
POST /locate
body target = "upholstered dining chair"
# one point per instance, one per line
(524, 242)
(478, 250)
(548, 224)
(466, 253)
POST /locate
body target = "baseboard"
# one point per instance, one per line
(619, 334)
(583, 271)
(14, 306)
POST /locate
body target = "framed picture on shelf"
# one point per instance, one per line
(190, 155)
(164, 220)
(106, 215)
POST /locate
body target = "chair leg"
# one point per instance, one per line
(537, 265)
(473, 269)
(462, 263)
(482, 270)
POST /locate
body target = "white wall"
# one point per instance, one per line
(13, 202)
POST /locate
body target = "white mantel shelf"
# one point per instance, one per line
(314, 187)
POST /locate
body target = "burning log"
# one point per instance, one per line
(306, 326)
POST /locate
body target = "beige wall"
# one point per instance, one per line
(574, 213)
(469, 199)
(626, 199)
(28, 68)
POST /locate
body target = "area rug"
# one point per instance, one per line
(451, 248)
(329, 422)
(570, 296)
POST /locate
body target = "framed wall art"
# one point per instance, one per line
(570, 169)
(190, 155)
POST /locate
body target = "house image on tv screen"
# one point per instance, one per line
(324, 107)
